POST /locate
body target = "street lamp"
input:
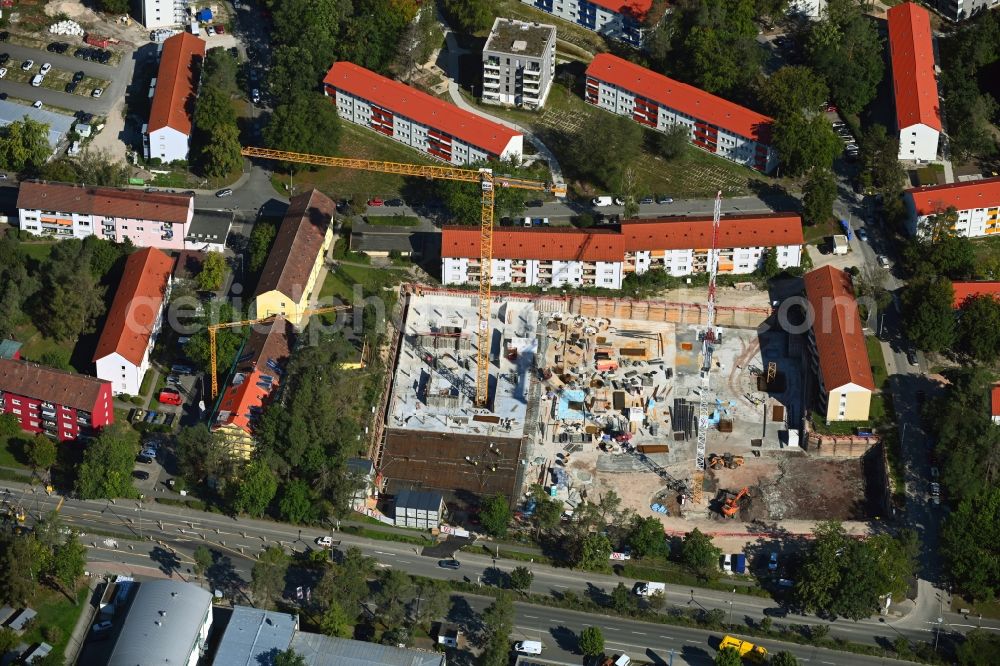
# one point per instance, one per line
(937, 633)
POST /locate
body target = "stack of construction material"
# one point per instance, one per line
(66, 28)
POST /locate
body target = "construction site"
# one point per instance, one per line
(582, 402)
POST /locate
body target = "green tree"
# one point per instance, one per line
(979, 328)
(784, 658)
(346, 583)
(849, 56)
(227, 340)
(967, 547)
(220, 155)
(202, 560)
(465, 203)
(699, 555)
(432, 602)
(19, 569)
(114, 6)
(213, 272)
(201, 453)
(255, 489)
(495, 515)
(296, 504)
(106, 470)
(261, 239)
(622, 599)
(24, 145)
(267, 578)
(728, 657)
(499, 622)
(978, 649)
(587, 151)
(8, 640)
(219, 70)
(10, 425)
(336, 622)
(793, 90)
(42, 453)
(521, 578)
(646, 537)
(927, 313)
(213, 110)
(671, 143)
(592, 642)
(469, 15)
(395, 591)
(306, 124)
(771, 268)
(820, 193)
(289, 658)
(69, 560)
(805, 143)
(879, 157)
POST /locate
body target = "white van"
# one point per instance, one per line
(623, 660)
(37, 80)
(600, 202)
(527, 221)
(529, 647)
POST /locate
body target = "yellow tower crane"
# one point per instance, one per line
(486, 180)
(212, 328)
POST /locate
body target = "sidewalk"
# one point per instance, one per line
(79, 634)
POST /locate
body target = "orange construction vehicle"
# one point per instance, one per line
(732, 505)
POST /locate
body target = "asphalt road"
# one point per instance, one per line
(119, 76)
(183, 530)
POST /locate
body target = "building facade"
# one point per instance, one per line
(288, 279)
(618, 19)
(134, 320)
(658, 102)
(813, 10)
(168, 619)
(525, 257)
(167, 135)
(64, 210)
(519, 63)
(63, 405)
(154, 14)
(976, 204)
(255, 380)
(837, 352)
(416, 119)
(958, 10)
(914, 84)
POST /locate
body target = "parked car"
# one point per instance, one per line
(324, 541)
(220, 29)
(727, 563)
(37, 80)
(449, 564)
(883, 261)
(664, 200)
(37, 104)
(97, 92)
(647, 200)
(170, 397)
(772, 561)
(70, 87)
(911, 357)
(181, 369)
(862, 235)
(101, 627)
(534, 203)
(619, 202)
(174, 379)
(4, 58)
(210, 31)
(45, 69)
(255, 96)
(27, 64)
(169, 421)
(144, 460)
(140, 474)
(376, 202)
(78, 76)
(395, 203)
(224, 193)
(3, 72)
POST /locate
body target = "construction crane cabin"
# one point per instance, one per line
(487, 183)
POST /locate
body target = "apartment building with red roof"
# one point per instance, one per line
(618, 19)
(416, 119)
(837, 351)
(167, 135)
(67, 210)
(914, 84)
(717, 125)
(61, 404)
(976, 203)
(134, 320)
(256, 378)
(604, 257)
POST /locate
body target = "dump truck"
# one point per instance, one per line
(747, 650)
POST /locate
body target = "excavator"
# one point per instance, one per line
(732, 505)
(727, 460)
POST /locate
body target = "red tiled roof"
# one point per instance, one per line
(961, 196)
(843, 356)
(269, 345)
(995, 400)
(56, 386)
(173, 98)
(912, 54)
(419, 106)
(133, 313)
(680, 97)
(637, 9)
(964, 290)
(297, 244)
(696, 232)
(107, 201)
(542, 244)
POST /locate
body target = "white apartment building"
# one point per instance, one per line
(134, 320)
(956, 10)
(813, 10)
(161, 13)
(519, 63)
(617, 19)
(658, 102)
(977, 205)
(64, 210)
(167, 135)
(914, 84)
(604, 257)
(417, 119)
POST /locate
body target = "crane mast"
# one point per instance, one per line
(707, 347)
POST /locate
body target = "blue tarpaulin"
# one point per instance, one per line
(847, 227)
(204, 15)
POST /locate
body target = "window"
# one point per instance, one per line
(15, 402)
(16, 411)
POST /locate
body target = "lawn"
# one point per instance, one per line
(817, 233)
(55, 610)
(36, 344)
(334, 286)
(361, 143)
(10, 453)
(37, 251)
(877, 360)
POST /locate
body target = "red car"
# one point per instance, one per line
(832, 108)
(170, 397)
(376, 202)
(220, 29)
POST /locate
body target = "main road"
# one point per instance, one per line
(169, 529)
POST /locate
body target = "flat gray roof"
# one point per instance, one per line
(59, 124)
(253, 636)
(162, 625)
(519, 37)
(209, 226)
(320, 650)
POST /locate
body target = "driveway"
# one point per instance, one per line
(119, 76)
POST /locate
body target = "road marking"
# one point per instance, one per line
(405, 562)
(562, 586)
(638, 633)
(532, 617)
(688, 640)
